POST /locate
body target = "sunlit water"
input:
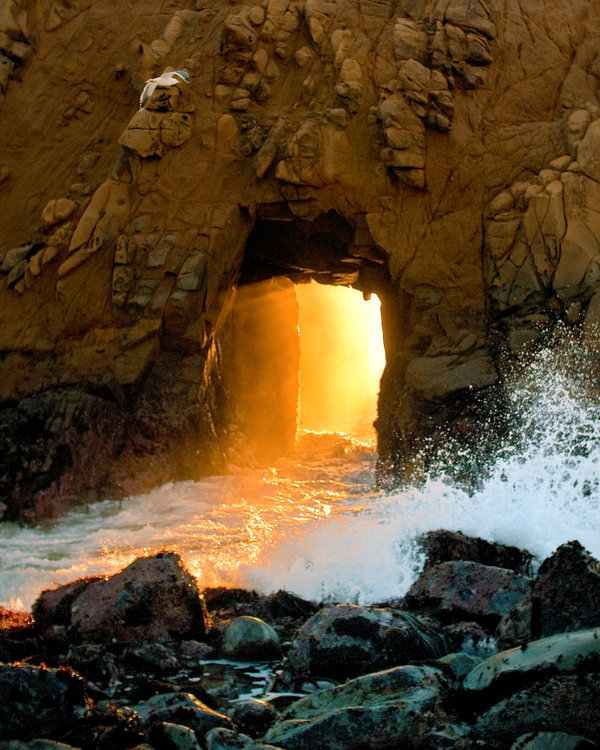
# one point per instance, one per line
(315, 523)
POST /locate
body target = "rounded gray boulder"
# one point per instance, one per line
(250, 639)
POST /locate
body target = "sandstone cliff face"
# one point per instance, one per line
(442, 153)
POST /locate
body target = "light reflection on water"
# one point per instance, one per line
(217, 525)
(315, 524)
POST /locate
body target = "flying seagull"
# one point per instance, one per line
(166, 79)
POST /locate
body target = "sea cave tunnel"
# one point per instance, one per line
(304, 343)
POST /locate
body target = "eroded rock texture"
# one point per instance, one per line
(441, 153)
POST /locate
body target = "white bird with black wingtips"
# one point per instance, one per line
(166, 79)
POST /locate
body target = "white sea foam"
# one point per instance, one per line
(541, 491)
(316, 525)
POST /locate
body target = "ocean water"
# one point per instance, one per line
(316, 524)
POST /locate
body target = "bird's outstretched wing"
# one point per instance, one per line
(147, 92)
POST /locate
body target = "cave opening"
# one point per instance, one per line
(305, 344)
(341, 359)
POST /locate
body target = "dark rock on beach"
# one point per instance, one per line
(565, 595)
(566, 703)
(393, 708)
(164, 734)
(52, 608)
(253, 716)
(227, 739)
(445, 546)
(572, 652)
(153, 597)
(93, 660)
(181, 708)
(552, 741)
(105, 726)
(250, 639)
(151, 657)
(35, 701)
(347, 640)
(464, 590)
(460, 664)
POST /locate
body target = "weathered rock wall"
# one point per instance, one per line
(441, 153)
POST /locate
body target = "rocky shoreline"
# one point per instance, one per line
(482, 652)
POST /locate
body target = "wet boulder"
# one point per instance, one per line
(565, 595)
(194, 651)
(565, 703)
(444, 546)
(166, 735)
(250, 639)
(285, 611)
(106, 727)
(347, 640)
(52, 609)
(184, 709)
(253, 716)
(394, 708)
(35, 701)
(154, 597)
(460, 664)
(94, 661)
(576, 653)
(222, 602)
(151, 657)
(226, 739)
(552, 741)
(464, 590)
(283, 604)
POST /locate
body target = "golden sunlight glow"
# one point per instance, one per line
(341, 359)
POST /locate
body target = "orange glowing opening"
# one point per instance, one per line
(341, 359)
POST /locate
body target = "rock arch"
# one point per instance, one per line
(262, 355)
(457, 146)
